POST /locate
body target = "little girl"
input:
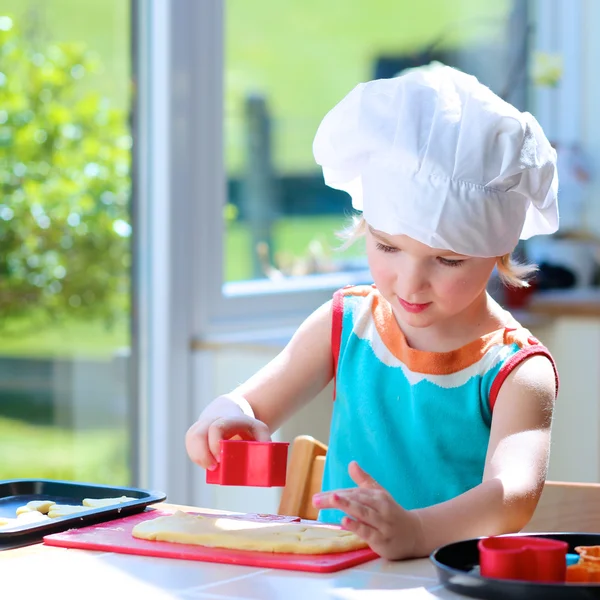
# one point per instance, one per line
(443, 402)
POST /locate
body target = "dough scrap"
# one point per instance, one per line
(31, 517)
(4, 522)
(237, 534)
(41, 506)
(102, 502)
(62, 510)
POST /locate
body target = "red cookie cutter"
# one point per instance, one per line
(523, 558)
(259, 464)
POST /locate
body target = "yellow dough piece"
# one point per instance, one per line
(32, 516)
(62, 510)
(238, 534)
(41, 506)
(4, 522)
(102, 502)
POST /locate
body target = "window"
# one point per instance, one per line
(286, 67)
(248, 95)
(65, 287)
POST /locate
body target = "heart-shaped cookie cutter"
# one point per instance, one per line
(523, 558)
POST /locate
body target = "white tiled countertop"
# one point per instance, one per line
(41, 572)
(44, 573)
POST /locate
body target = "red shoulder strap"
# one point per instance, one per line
(337, 313)
(514, 361)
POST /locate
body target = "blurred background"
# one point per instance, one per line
(89, 382)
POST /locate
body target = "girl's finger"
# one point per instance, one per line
(352, 506)
(362, 478)
(226, 428)
(373, 499)
(196, 444)
(362, 530)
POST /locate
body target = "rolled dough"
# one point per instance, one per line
(238, 534)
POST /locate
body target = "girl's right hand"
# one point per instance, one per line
(203, 439)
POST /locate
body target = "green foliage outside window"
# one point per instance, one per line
(65, 182)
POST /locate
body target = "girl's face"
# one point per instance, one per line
(425, 286)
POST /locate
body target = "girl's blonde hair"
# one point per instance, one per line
(511, 272)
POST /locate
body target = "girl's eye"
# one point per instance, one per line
(450, 263)
(385, 248)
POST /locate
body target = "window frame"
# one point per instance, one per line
(162, 242)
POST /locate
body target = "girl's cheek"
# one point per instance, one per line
(380, 272)
(453, 290)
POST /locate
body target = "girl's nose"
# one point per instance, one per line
(412, 279)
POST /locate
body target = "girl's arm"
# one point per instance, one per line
(515, 469)
(260, 405)
(296, 375)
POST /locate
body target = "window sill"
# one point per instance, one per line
(293, 285)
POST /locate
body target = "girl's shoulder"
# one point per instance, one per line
(351, 297)
(357, 291)
(523, 345)
(513, 333)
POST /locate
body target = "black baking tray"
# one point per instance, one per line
(17, 492)
(457, 568)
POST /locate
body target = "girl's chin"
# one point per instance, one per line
(423, 319)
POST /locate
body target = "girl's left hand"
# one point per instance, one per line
(390, 530)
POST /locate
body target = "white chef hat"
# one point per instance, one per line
(436, 155)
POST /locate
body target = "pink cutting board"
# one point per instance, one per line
(115, 536)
